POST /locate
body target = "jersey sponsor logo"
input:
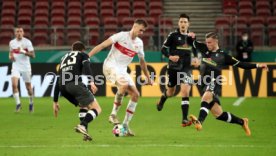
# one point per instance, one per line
(125, 50)
(209, 61)
(17, 51)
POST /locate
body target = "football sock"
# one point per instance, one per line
(117, 103)
(163, 98)
(16, 98)
(31, 99)
(204, 110)
(90, 115)
(185, 107)
(82, 114)
(228, 117)
(130, 111)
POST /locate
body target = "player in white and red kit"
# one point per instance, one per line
(21, 49)
(125, 45)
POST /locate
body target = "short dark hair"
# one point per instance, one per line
(184, 16)
(78, 46)
(213, 35)
(141, 22)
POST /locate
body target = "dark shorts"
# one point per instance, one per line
(178, 77)
(215, 89)
(77, 94)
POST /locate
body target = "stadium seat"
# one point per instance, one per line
(272, 38)
(57, 13)
(246, 12)
(123, 5)
(24, 20)
(263, 12)
(57, 21)
(239, 28)
(110, 21)
(262, 5)
(7, 21)
(107, 13)
(150, 21)
(90, 5)
(271, 21)
(92, 22)
(230, 4)
(140, 5)
(257, 20)
(167, 22)
(257, 38)
(41, 21)
(5, 36)
(25, 5)
(155, 13)
(25, 12)
(94, 37)
(74, 21)
(139, 13)
(42, 5)
(74, 13)
(245, 5)
(223, 20)
(8, 13)
(241, 20)
(73, 36)
(122, 13)
(40, 39)
(90, 13)
(127, 22)
(57, 38)
(155, 5)
(74, 5)
(58, 5)
(8, 5)
(107, 5)
(108, 33)
(230, 11)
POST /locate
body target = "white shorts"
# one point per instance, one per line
(115, 75)
(26, 75)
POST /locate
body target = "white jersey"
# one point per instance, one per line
(22, 62)
(123, 49)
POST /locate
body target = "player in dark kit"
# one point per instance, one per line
(213, 60)
(178, 48)
(72, 66)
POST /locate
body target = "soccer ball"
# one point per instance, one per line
(119, 130)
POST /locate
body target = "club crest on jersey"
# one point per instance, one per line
(179, 38)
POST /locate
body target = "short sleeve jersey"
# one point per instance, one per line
(22, 62)
(123, 49)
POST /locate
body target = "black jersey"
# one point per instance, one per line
(181, 45)
(213, 62)
(71, 67)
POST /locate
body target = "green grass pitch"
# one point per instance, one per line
(157, 133)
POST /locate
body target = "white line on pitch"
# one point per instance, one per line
(138, 145)
(239, 101)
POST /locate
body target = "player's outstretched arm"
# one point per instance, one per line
(100, 47)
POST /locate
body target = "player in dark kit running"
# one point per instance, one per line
(213, 60)
(72, 66)
(178, 48)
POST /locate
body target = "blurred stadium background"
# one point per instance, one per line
(53, 25)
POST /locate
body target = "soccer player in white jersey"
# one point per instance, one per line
(21, 49)
(125, 45)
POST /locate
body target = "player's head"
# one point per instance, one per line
(139, 27)
(211, 40)
(78, 46)
(183, 22)
(244, 36)
(18, 32)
